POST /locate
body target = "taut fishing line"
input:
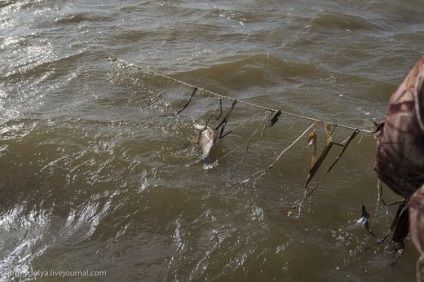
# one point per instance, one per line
(273, 115)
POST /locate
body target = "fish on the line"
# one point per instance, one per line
(205, 138)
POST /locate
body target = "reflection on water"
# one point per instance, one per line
(98, 173)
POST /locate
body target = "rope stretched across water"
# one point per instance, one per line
(277, 111)
(272, 115)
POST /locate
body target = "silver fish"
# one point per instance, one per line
(205, 138)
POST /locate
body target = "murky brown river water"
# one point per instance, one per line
(98, 175)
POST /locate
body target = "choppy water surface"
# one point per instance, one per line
(98, 173)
